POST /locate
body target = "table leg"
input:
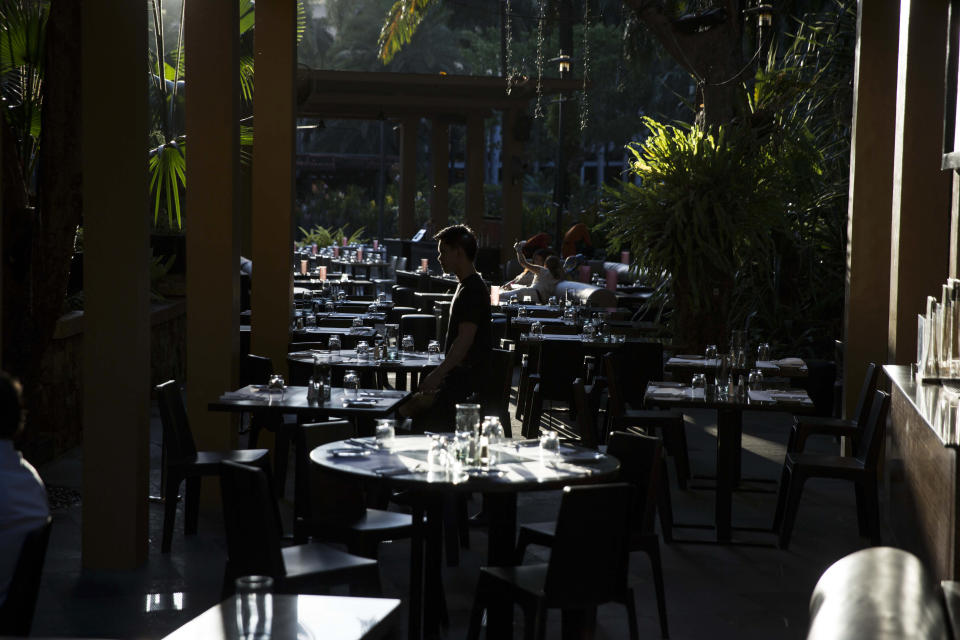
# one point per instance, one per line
(501, 510)
(434, 601)
(729, 430)
(415, 619)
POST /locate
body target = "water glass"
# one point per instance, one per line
(275, 386)
(334, 344)
(491, 435)
(407, 343)
(756, 380)
(357, 323)
(711, 352)
(352, 381)
(552, 301)
(438, 458)
(433, 351)
(254, 605)
(763, 351)
(699, 381)
(550, 443)
(385, 433)
(536, 330)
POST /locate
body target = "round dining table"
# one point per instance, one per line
(405, 465)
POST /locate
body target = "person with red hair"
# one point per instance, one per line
(576, 240)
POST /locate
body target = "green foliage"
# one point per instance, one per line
(402, 21)
(324, 237)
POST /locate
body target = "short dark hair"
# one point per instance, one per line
(11, 406)
(459, 235)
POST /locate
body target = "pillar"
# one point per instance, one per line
(116, 341)
(408, 177)
(213, 235)
(274, 151)
(512, 185)
(920, 224)
(867, 287)
(474, 170)
(440, 166)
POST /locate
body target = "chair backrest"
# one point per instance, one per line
(560, 329)
(401, 265)
(177, 437)
(588, 563)
(394, 314)
(251, 522)
(616, 405)
(337, 322)
(558, 366)
(640, 459)
(631, 368)
(305, 346)
(329, 493)
(16, 612)
(586, 424)
(865, 398)
(871, 439)
(496, 397)
(422, 326)
(402, 296)
(255, 370)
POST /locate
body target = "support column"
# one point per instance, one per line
(408, 176)
(274, 151)
(867, 294)
(116, 341)
(920, 224)
(512, 185)
(473, 216)
(440, 165)
(213, 234)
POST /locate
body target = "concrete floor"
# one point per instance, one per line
(713, 591)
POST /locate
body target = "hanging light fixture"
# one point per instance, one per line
(563, 63)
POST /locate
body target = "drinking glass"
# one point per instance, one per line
(328, 306)
(536, 330)
(275, 387)
(254, 604)
(433, 351)
(363, 350)
(550, 443)
(334, 344)
(552, 301)
(356, 323)
(513, 299)
(385, 433)
(491, 435)
(755, 380)
(763, 351)
(407, 343)
(698, 381)
(352, 381)
(711, 352)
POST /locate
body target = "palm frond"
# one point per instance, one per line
(400, 24)
(167, 177)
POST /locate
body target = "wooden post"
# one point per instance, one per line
(440, 161)
(512, 184)
(474, 156)
(408, 176)
(116, 340)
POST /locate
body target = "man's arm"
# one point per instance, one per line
(458, 351)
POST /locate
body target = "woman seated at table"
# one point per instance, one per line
(545, 278)
(525, 279)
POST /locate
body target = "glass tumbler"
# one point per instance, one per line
(755, 381)
(763, 351)
(385, 433)
(254, 604)
(334, 344)
(352, 381)
(407, 344)
(550, 443)
(711, 352)
(433, 351)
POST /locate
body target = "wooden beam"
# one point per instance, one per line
(512, 184)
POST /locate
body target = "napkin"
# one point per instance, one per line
(242, 395)
(791, 363)
(668, 391)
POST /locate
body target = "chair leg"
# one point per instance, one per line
(782, 490)
(631, 605)
(665, 506)
(675, 440)
(281, 453)
(476, 614)
(191, 505)
(792, 444)
(531, 420)
(862, 517)
(653, 552)
(872, 511)
(170, 509)
(790, 510)
(537, 630)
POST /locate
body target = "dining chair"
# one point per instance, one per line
(587, 567)
(255, 542)
(496, 397)
(806, 426)
(422, 326)
(860, 469)
(641, 466)
(338, 323)
(559, 365)
(16, 612)
(402, 296)
(334, 506)
(394, 314)
(182, 462)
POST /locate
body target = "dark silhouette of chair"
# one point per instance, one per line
(422, 326)
(254, 542)
(337, 323)
(496, 397)
(498, 326)
(401, 265)
(403, 296)
(16, 612)
(806, 426)
(861, 469)
(585, 422)
(587, 567)
(669, 423)
(182, 462)
(640, 465)
(559, 366)
(394, 314)
(334, 505)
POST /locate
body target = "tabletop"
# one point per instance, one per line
(369, 402)
(409, 360)
(522, 466)
(789, 367)
(300, 616)
(677, 394)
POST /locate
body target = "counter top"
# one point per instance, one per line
(937, 403)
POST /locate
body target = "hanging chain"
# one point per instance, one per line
(584, 98)
(538, 110)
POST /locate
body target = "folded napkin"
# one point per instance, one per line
(669, 391)
(232, 396)
(791, 363)
(795, 396)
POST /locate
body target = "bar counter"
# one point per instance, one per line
(920, 472)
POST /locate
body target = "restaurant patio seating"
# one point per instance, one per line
(422, 326)
(861, 469)
(403, 296)
(496, 397)
(335, 505)
(16, 612)
(559, 365)
(806, 426)
(257, 370)
(255, 537)
(182, 462)
(587, 566)
(640, 465)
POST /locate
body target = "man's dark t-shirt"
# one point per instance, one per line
(471, 303)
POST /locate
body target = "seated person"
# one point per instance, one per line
(576, 240)
(571, 266)
(525, 279)
(23, 498)
(545, 278)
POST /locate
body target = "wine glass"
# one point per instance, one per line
(352, 381)
(711, 352)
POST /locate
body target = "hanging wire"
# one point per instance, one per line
(538, 109)
(508, 27)
(584, 98)
(621, 83)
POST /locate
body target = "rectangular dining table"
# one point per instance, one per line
(672, 395)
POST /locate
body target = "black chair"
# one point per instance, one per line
(422, 326)
(334, 505)
(806, 426)
(640, 465)
(587, 567)
(402, 296)
(337, 323)
(394, 314)
(182, 462)
(861, 469)
(558, 366)
(496, 397)
(498, 326)
(255, 536)
(16, 612)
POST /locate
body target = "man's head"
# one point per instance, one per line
(457, 248)
(11, 407)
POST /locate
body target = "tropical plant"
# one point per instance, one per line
(324, 237)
